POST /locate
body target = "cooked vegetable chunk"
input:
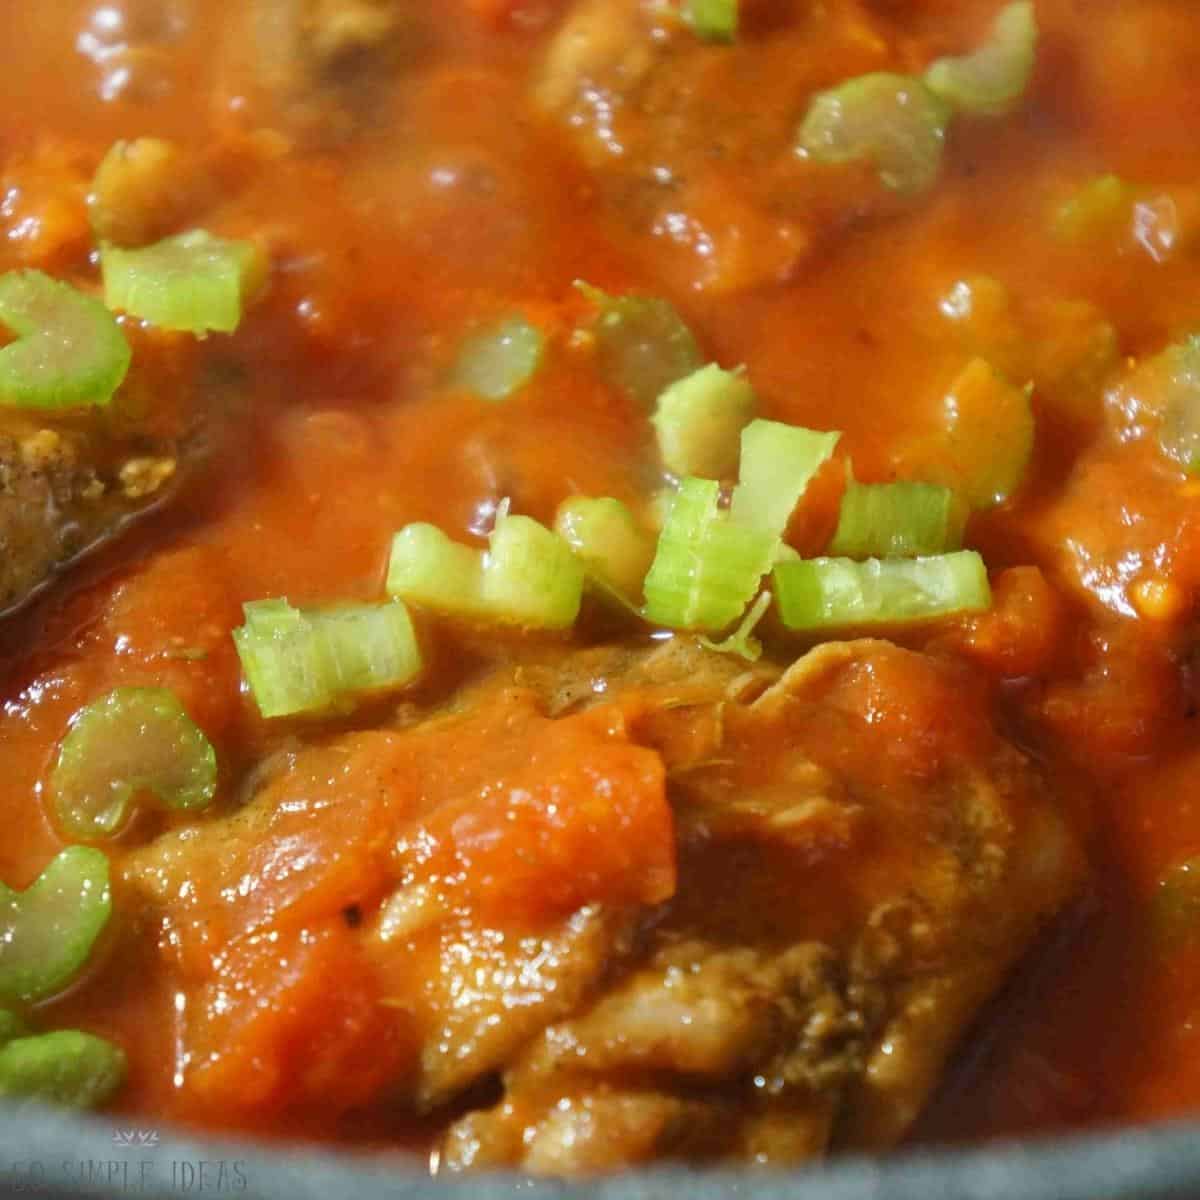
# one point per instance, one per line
(643, 345)
(527, 576)
(893, 121)
(132, 741)
(897, 520)
(194, 282)
(839, 594)
(67, 1068)
(608, 540)
(68, 352)
(496, 362)
(309, 661)
(991, 80)
(47, 931)
(699, 420)
(707, 567)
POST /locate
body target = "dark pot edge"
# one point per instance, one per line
(70, 1157)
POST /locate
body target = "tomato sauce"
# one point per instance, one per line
(454, 200)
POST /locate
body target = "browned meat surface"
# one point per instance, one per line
(854, 878)
(71, 482)
(59, 498)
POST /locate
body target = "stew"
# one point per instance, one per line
(587, 582)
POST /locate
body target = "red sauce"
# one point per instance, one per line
(455, 201)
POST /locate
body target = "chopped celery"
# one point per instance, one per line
(193, 282)
(712, 20)
(66, 1068)
(642, 344)
(69, 351)
(271, 618)
(778, 463)
(426, 567)
(48, 930)
(615, 551)
(991, 80)
(288, 670)
(742, 641)
(897, 520)
(698, 420)
(893, 121)
(500, 360)
(707, 566)
(824, 595)
(304, 661)
(528, 575)
(370, 646)
(131, 741)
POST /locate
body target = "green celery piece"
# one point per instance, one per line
(742, 641)
(272, 618)
(498, 361)
(643, 345)
(833, 595)
(712, 20)
(897, 520)
(527, 576)
(47, 931)
(11, 1026)
(370, 646)
(65, 1068)
(707, 567)
(287, 668)
(605, 536)
(892, 121)
(192, 282)
(698, 420)
(530, 575)
(69, 352)
(301, 662)
(778, 462)
(428, 568)
(131, 741)
(992, 80)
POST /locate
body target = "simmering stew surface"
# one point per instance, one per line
(595, 581)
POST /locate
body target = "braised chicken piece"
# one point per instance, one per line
(681, 908)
